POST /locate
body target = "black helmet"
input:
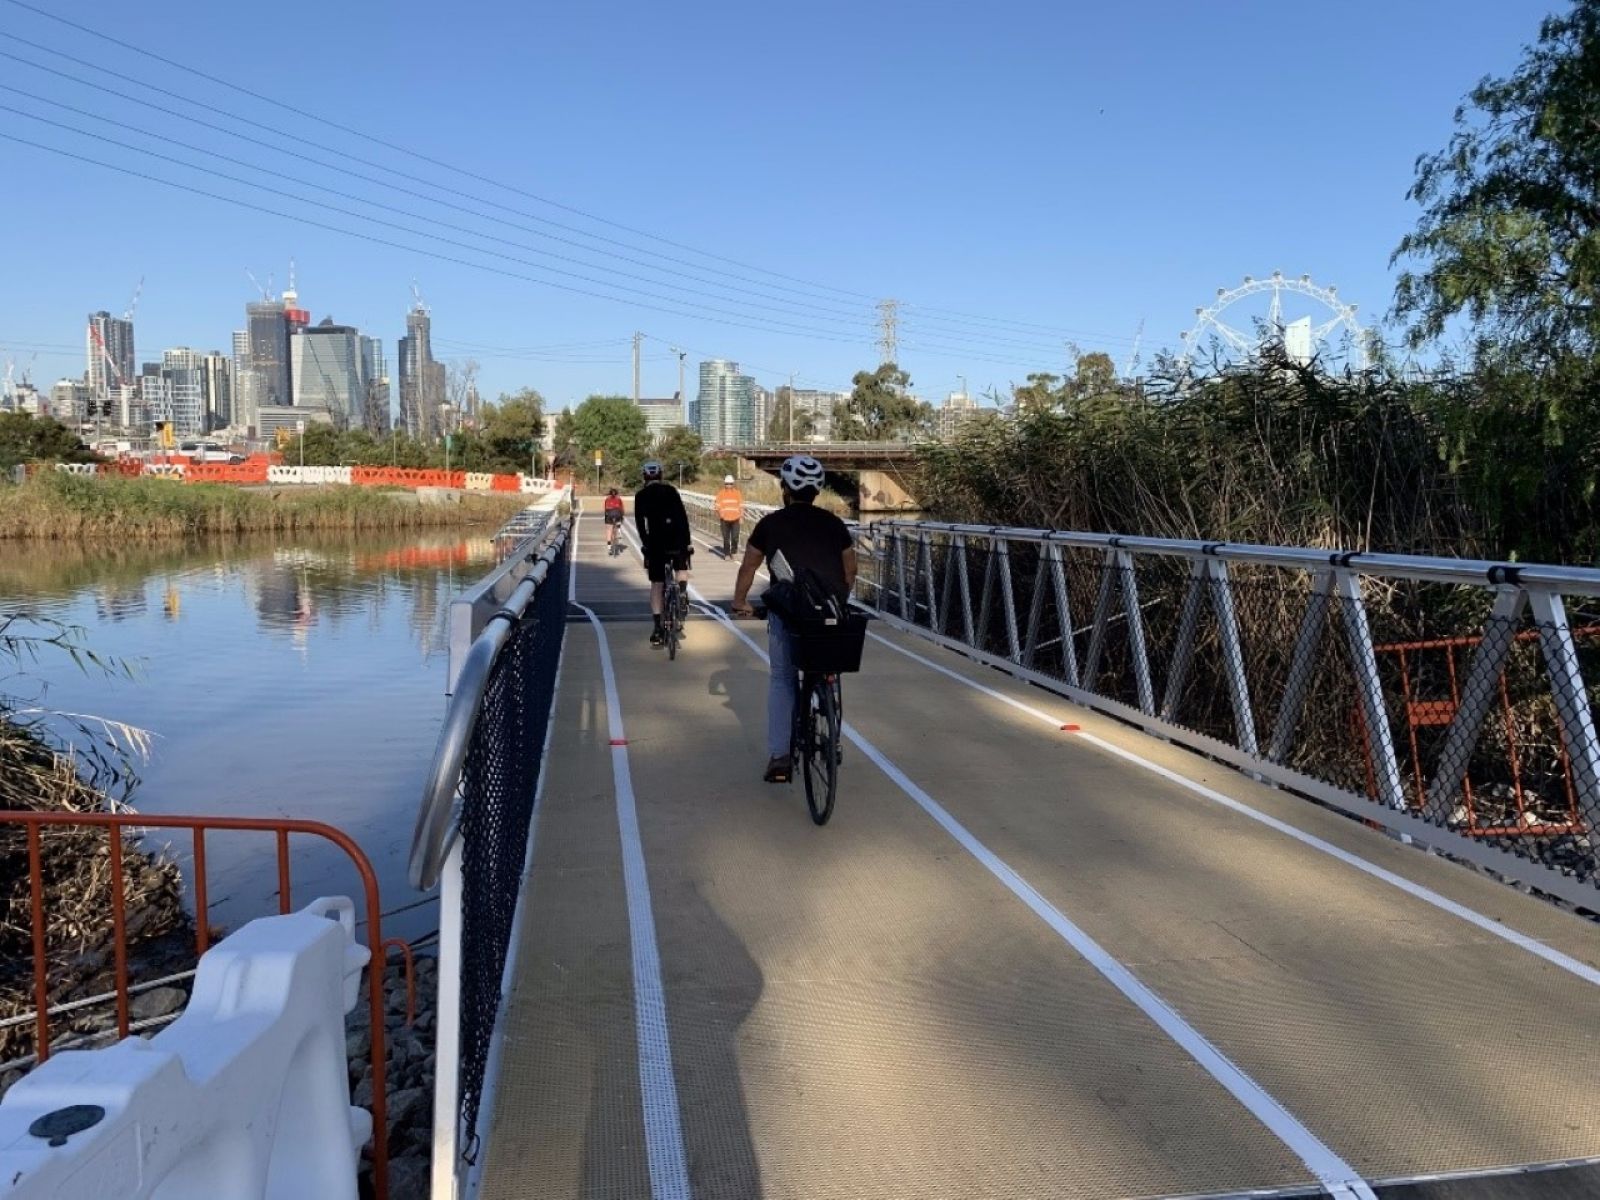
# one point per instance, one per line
(612, 492)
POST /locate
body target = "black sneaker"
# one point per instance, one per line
(657, 638)
(779, 770)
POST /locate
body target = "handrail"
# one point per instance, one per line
(1581, 581)
(438, 820)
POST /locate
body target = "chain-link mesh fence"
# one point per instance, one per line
(1424, 696)
(498, 782)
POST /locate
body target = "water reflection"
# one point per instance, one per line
(294, 677)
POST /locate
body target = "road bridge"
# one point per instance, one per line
(885, 469)
(1037, 951)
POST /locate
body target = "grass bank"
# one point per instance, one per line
(57, 506)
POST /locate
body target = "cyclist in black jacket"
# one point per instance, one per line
(663, 527)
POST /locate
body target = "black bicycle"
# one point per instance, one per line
(824, 650)
(674, 610)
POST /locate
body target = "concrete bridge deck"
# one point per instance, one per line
(1019, 962)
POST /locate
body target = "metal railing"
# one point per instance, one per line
(472, 832)
(1320, 671)
(703, 519)
(120, 828)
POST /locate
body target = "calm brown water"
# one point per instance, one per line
(295, 677)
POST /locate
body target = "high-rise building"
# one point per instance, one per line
(326, 371)
(244, 407)
(70, 401)
(266, 356)
(111, 371)
(180, 359)
(661, 414)
(726, 409)
(218, 390)
(813, 414)
(421, 378)
(375, 386)
(957, 410)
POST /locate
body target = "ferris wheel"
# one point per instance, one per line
(1303, 337)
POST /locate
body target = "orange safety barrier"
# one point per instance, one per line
(226, 473)
(1438, 713)
(118, 824)
(507, 483)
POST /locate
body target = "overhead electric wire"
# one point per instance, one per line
(946, 315)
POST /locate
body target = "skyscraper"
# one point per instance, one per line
(375, 386)
(325, 371)
(218, 390)
(726, 408)
(267, 354)
(111, 384)
(244, 408)
(421, 379)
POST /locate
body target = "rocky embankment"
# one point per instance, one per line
(409, 1077)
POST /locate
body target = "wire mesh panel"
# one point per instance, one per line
(1461, 694)
(498, 782)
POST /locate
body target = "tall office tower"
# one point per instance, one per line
(421, 378)
(325, 371)
(111, 371)
(267, 354)
(726, 408)
(217, 377)
(374, 386)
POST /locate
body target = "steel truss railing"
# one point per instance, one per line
(702, 510)
(472, 832)
(1334, 674)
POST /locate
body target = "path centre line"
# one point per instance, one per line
(658, 1087)
(1336, 1176)
(1426, 894)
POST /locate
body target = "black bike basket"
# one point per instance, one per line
(829, 645)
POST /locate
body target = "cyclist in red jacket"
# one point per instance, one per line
(613, 511)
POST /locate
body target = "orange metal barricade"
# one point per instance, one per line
(117, 825)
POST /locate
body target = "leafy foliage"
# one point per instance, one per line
(880, 408)
(1510, 233)
(779, 428)
(679, 452)
(25, 439)
(616, 427)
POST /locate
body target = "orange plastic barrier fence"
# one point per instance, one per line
(243, 473)
(507, 483)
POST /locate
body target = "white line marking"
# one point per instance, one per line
(1488, 924)
(658, 1087)
(1334, 1174)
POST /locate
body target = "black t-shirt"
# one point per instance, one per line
(658, 514)
(809, 537)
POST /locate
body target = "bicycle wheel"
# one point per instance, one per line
(669, 618)
(819, 751)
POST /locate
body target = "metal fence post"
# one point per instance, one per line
(900, 576)
(1386, 769)
(1233, 656)
(1030, 641)
(991, 559)
(1135, 616)
(1102, 615)
(1305, 648)
(966, 589)
(1478, 694)
(1008, 598)
(1183, 644)
(1571, 697)
(447, 1043)
(925, 570)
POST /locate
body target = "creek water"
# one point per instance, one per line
(298, 677)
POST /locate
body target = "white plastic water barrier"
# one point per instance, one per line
(308, 474)
(533, 484)
(480, 481)
(244, 1095)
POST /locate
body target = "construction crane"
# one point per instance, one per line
(266, 292)
(112, 372)
(133, 305)
(1133, 358)
(416, 294)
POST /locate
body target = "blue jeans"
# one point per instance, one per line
(780, 689)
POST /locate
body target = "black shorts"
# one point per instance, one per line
(655, 562)
(614, 518)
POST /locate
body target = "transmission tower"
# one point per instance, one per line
(888, 323)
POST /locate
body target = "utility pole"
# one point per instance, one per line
(636, 338)
(791, 408)
(683, 402)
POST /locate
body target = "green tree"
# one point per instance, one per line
(880, 408)
(564, 439)
(512, 429)
(779, 428)
(616, 427)
(25, 439)
(1510, 230)
(1041, 393)
(679, 452)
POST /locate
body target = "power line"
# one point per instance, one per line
(947, 316)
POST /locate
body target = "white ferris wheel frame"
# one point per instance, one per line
(1277, 284)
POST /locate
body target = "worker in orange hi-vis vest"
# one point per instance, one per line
(730, 510)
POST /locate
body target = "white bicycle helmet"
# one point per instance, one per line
(651, 470)
(801, 472)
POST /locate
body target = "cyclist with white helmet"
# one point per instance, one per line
(663, 527)
(808, 537)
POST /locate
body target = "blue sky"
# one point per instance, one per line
(1051, 171)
